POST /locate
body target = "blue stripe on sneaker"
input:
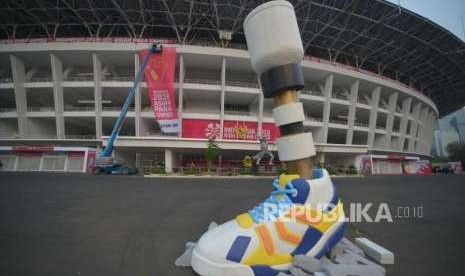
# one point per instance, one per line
(237, 250)
(331, 242)
(303, 189)
(310, 238)
(264, 270)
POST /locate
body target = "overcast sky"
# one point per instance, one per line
(446, 13)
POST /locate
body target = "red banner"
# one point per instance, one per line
(160, 77)
(232, 130)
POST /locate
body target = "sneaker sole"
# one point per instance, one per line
(206, 267)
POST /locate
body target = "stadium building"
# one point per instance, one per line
(377, 78)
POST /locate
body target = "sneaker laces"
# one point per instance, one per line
(279, 198)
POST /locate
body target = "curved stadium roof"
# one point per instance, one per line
(374, 35)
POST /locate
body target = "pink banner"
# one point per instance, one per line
(232, 130)
(366, 165)
(418, 167)
(160, 77)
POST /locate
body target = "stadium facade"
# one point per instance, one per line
(66, 93)
(349, 112)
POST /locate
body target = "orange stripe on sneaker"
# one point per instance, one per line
(287, 235)
(309, 217)
(266, 239)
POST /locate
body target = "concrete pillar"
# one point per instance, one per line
(137, 98)
(18, 73)
(351, 115)
(57, 77)
(169, 160)
(413, 128)
(223, 95)
(406, 105)
(181, 93)
(97, 64)
(328, 90)
(429, 138)
(390, 118)
(374, 102)
(420, 146)
(139, 161)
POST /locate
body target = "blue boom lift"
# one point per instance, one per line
(104, 163)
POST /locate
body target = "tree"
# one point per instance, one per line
(212, 152)
(456, 152)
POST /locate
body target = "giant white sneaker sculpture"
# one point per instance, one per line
(303, 214)
(300, 217)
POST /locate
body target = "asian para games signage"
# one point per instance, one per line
(160, 76)
(232, 130)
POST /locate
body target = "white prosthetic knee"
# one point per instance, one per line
(294, 144)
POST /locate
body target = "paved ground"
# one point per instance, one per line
(70, 224)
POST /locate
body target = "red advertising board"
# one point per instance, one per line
(160, 76)
(232, 130)
(32, 148)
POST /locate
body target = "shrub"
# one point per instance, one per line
(192, 170)
(159, 170)
(331, 170)
(351, 169)
(283, 170)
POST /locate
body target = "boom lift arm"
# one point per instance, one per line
(104, 162)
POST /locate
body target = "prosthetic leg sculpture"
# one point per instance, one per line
(302, 216)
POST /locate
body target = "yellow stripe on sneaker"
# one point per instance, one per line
(244, 220)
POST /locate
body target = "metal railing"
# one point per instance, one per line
(82, 136)
(237, 112)
(337, 121)
(6, 80)
(313, 119)
(340, 97)
(41, 136)
(7, 109)
(362, 100)
(118, 78)
(40, 79)
(79, 108)
(41, 108)
(311, 92)
(241, 84)
(116, 108)
(361, 124)
(203, 81)
(79, 78)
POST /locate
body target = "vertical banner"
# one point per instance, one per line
(366, 165)
(160, 76)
